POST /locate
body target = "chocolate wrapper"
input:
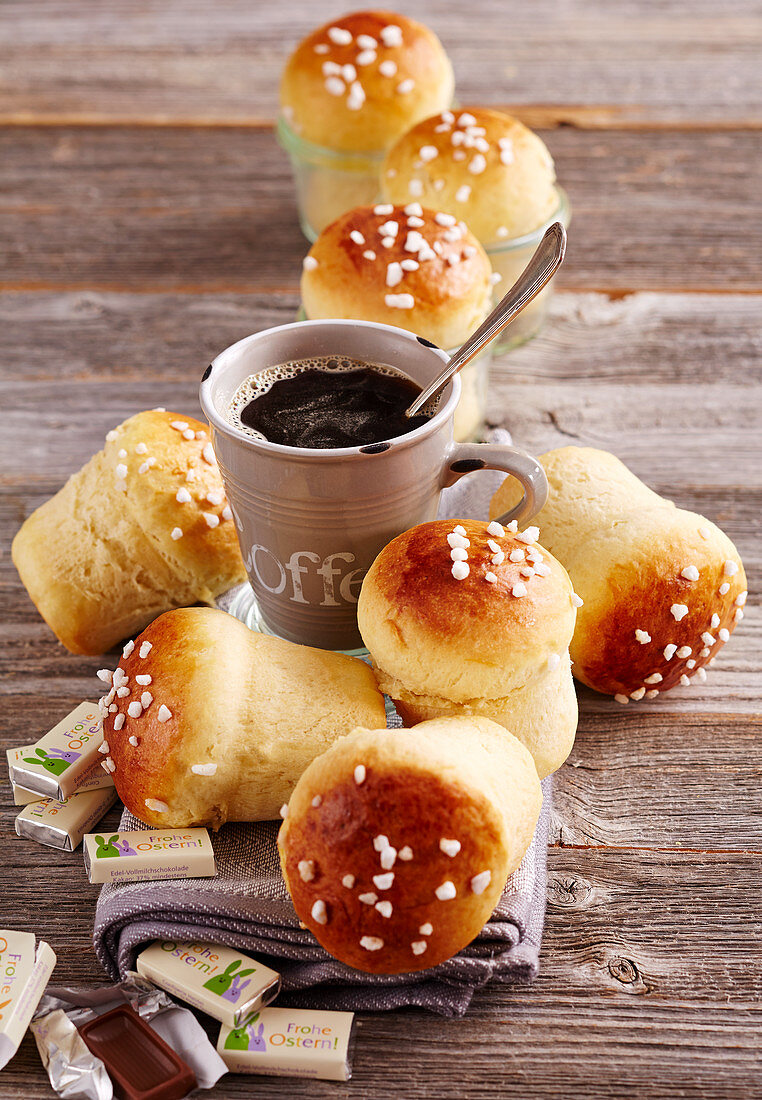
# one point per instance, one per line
(219, 980)
(95, 779)
(290, 1042)
(151, 854)
(63, 824)
(75, 1072)
(63, 758)
(24, 973)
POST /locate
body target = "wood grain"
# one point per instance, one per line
(623, 989)
(207, 210)
(147, 220)
(591, 64)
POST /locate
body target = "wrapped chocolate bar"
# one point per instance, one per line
(151, 854)
(218, 980)
(63, 824)
(290, 1042)
(25, 967)
(93, 780)
(59, 762)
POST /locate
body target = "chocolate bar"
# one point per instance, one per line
(290, 1042)
(24, 973)
(218, 980)
(93, 780)
(150, 854)
(138, 1061)
(60, 761)
(63, 824)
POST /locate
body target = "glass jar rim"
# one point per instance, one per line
(293, 143)
(562, 213)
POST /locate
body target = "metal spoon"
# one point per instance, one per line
(550, 252)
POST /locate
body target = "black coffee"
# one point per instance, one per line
(328, 401)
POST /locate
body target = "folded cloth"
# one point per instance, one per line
(247, 906)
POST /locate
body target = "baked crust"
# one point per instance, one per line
(98, 559)
(645, 626)
(420, 81)
(348, 273)
(487, 168)
(385, 807)
(250, 709)
(442, 645)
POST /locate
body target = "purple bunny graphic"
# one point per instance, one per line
(244, 1037)
(237, 987)
(55, 761)
(256, 1042)
(125, 848)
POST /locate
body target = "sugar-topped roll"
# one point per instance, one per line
(207, 721)
(397, 844)
(466, 618)
(360, 81)
(416, 268)
(479, 164)
(663, 588)
(144, 526)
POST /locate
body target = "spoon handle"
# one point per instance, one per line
(540, 269)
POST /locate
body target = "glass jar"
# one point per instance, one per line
(471, 411)
(328, 181)
(509, 258)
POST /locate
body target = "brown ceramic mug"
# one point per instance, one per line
(311, 522)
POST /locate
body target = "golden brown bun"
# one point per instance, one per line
(450, 289)
(626, 548)
(457, 784)
(446, 646)
(98, 559)
(500, 191)
(256, 707)
(371, 109)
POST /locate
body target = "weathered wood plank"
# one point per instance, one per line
(589, 338)
(205, 210)
(649, 999)
(639, 779)
(601, 64)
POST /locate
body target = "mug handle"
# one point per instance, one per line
(464, 458)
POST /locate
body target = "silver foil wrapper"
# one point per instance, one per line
(77, 1074)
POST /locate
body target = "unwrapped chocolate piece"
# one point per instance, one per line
(140, 1064)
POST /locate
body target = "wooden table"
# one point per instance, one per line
(148, 220)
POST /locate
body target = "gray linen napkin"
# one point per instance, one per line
(247, 905)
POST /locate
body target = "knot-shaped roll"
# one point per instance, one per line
(662, 587)
(397, 844)
(207, 721)
(143, 527)
(461, 617)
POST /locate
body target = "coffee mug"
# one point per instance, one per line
(310, 522)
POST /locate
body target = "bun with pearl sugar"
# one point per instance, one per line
(396, 844)
(358, 82)
(399, 265)
(662, 587)
(143, 527)
(207, 721)
(465, 618)
(480, 165)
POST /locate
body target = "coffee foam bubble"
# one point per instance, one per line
(257, 384)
